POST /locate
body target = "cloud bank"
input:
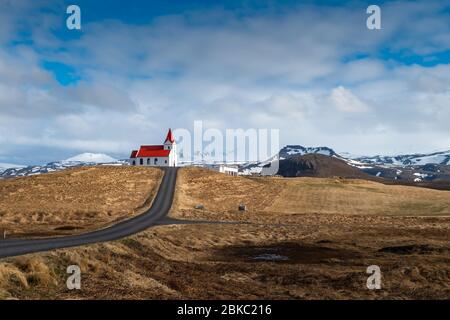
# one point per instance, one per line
(315, 72)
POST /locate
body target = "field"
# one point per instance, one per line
(301, 238)
(283, 199)
(75, 200)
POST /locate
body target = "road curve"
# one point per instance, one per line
(159, 209)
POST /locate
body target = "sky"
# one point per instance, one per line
(311, 69)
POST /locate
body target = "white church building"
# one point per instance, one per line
(164, 155)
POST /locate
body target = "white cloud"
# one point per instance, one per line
(344, 100)
(298, 72)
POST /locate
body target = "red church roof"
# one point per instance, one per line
(151, 148)
(133, 154)
(169, 137)
(153, 153)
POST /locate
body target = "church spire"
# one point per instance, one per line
(169, 137)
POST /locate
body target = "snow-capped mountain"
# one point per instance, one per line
(85, 159)
(264, 167)
(392, 167)
(291, 150)
(92, 158)
(5, 166)
(442, 158)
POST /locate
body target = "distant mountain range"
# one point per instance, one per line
(4, 166)
(435, 176)
(442, 158)
(84, 159)
(294, 160)
(414, 168)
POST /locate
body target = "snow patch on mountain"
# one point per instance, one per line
(291, 150)
(271, 165)
(81, 160)
(5, 166)
(91, 158)
(365, 163)
(442, 158)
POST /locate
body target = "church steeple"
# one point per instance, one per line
(169, 137)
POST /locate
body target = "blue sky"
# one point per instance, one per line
(309, 68)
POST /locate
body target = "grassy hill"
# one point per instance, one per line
(75, 200)
(277, 198)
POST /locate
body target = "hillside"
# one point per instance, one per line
(276, 199)
(430, 170)
(82, 199)
(75, 200)
(80, 160)
(317, 165)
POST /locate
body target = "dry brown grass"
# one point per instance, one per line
(329, 231)
(220, 194)
(326, 256)
(272, 199)
(25, 273)
(341, 196)
(75, 200)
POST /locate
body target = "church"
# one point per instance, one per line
(164, 155)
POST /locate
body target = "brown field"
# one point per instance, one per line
(282, 199)
(325, 259)
(75, 200)
(301, 238)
